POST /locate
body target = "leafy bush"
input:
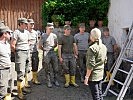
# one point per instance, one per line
(74, 10)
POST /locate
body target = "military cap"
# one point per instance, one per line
(31, 21)
(1, 24)
(50, 25)
(22, 20)
(67, 27)
(4, 29)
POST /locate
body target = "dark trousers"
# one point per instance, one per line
(34, 61)
(69, 64)
(96, 90)
(82, 61)
(110, 60)
(50, 60)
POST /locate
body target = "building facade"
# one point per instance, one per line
(11, 10)
(120, 18)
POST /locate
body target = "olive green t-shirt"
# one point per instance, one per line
(96, 56)
(67, 44)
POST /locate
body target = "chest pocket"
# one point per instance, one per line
(23, 37)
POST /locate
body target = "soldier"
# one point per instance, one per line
(81, 40)
(111, 45)
(5, 62)
(66, 50)
(20, 45)
(34, 59)
(96, 57)
(47, 43)
(100, 26)
(92, 23)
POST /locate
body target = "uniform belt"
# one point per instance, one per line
(21, 50)
(5, 68)
(49, 50)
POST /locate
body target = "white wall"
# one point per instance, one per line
(120, 16)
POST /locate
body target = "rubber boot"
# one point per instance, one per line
(26, 89)
(73, 81)
(35, 78)
(49, 84)
(26, 81)
(20, 94)
(8, 97)
(67, 78)
(107, 76)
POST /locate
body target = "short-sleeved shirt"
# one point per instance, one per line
(67, 44)
(82, 40)
(95, 59)
(109, 42)
(33, 38)
(48, 41)
(5, 54)
(22, 38)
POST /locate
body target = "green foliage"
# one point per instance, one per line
(74, 10)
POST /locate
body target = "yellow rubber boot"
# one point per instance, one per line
(73, 82)
(8, 97)
(26, 81)
(67, 78)
(35, 78)
(108, 76)
(20, 94)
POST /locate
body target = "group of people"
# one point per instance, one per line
(23, 43)
(89, 49)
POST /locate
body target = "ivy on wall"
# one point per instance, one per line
(75, 10)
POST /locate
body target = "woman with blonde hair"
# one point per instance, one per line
(96, 57)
